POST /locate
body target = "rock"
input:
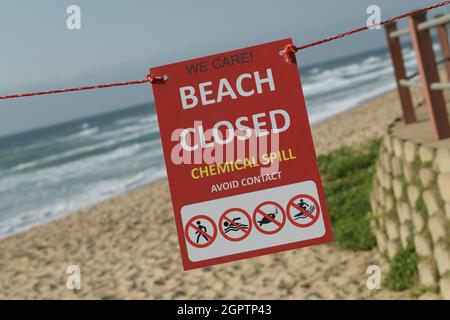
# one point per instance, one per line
(380, 195)
(436, 226)
(381, 240)
(410, 151)
(443, 160)
(398, 188)
(380, 173)
(423, 245)
(444, 185)
(404, 212)
(387, 181)
(427, 273)
(387, 141)
(447, 210)
(392, 248)
(382, 222)
(427, 176)
(398, 147)
(397, 167)
(431, 199)
(418, 221)
(386, 161)
(392, 229)
(373, 201)
(413, 195)
(388, 202)
(426, 154)
(442, 258)
(445, 288)
(408, 172)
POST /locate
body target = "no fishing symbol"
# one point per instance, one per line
(200, 231)
(269, 217)
(303, 210)
(235, 224)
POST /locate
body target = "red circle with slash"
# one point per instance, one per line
(293, 205)
(191, 224)
(246, 232)
(265, 215)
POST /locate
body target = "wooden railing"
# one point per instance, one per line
(420, 31)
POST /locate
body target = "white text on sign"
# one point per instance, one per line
(190, 95)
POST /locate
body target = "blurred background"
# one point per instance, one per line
(60, 153)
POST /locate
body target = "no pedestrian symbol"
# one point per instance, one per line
(235, 224)
(303, 210)
(269, 217)
(200, 231)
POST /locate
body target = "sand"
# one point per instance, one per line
(127, 248)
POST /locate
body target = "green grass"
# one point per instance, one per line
(403, 271)
(347, 177)
(421, 207)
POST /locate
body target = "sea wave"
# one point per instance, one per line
(67, 171)
(339, 82)
(86, 132)
(78, 153)
(99, 191)
(332, 108)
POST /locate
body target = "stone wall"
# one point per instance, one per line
(411, 200)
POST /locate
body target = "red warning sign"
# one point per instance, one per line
(303, 210)
(235, 224)
(212, 112)
(200, 231)
(269, 217)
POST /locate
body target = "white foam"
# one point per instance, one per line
(333, 108)
(86, 132)
(97, 192)
(78, 151)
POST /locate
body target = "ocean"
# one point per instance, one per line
(51, 172)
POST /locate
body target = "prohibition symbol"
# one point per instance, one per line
(269, 217)
(200, 231)
(303, 210)
(235, 224)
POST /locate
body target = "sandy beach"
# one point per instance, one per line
(127, 247)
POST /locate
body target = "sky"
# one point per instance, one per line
(120, 40)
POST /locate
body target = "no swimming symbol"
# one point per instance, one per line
(235, 224)
(200, 231)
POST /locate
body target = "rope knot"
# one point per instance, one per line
(289, 52)
(155, 79)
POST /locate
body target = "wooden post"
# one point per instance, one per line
(445, 47)
(400, 73)
(426, 63)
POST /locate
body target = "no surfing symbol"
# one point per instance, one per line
(303, 210)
